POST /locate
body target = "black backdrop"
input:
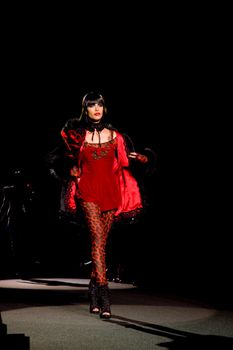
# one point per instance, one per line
(159, 88)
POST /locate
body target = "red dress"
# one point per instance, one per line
(105, 176)
(99, 182)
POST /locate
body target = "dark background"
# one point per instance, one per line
(162, 88)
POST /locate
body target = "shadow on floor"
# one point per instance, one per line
(180, 340)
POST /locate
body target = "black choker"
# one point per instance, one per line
(90, 126)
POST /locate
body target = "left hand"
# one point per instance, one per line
(74, 171)
(137, 156)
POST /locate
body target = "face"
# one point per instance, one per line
(95, 111)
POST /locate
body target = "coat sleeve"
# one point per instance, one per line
(131, 200)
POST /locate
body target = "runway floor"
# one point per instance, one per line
(55, 284)
(52, 313)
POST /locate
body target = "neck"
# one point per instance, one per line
(92, 125)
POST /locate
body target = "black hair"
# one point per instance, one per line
(89, 99)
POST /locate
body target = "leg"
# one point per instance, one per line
(96, 228)
(107, 219)
(94, 223)
(99, 225)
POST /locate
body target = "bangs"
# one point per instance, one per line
(93, 98)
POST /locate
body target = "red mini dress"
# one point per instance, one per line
(98, 181)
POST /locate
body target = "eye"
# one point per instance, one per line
(92, 104)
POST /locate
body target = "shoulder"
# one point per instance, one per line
(73, 124)
(73, 130)
(123, 137)
(118, 135)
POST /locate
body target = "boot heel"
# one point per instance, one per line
(94, 299)
(105, 311)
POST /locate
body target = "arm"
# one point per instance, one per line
(142, 158)
(147, 158)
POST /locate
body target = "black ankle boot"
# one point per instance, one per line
(94, 298)
(104, 293)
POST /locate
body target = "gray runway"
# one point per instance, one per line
(53, 314)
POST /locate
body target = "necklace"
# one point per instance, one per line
(92, 127)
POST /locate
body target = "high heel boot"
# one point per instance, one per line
(94, 298)
(104, 293)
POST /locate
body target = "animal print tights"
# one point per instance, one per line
(99, 224)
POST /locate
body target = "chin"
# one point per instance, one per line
(96, 120)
